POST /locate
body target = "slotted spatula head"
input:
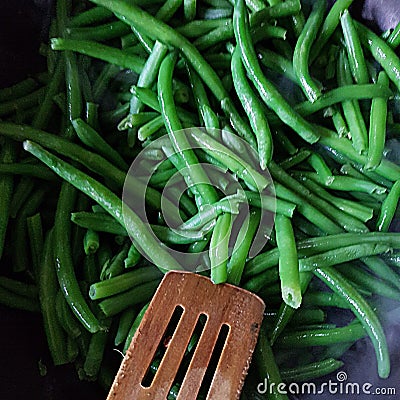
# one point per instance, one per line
(225, 308)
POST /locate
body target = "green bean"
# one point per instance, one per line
(286, 313)
(331, 22)
(110, 30)
(123, 282)
(311, 371)
(136, 120)
(134, 327)
(189, 9)
(64, 147)
(321, 337)
(382, 270)
(102, 82)
(208, 116)
(258, 282)
(14, 300)
(91, 242)
(19, 233)
(382, 53)
(72, 81)
(138, 294)
(65, 317)
(92, 114)
(21, 193)
(209, 212)
(100, 51)
(253, 109)
(64, 265)
(219, 247)
(241, 248)
(48, 288)
(144, 40)
(346, 183)
(341, 255)
(114, 266)
(91, 16)
(125, 322)
(35, 233)
(365, 280)
(166, 34)
(277, 63)
(354, 51)
(267, 91)
(311, 246)
(18, 90)
(363, 312)
(150, 127)
(388, 208)
(132, 258)
(309, 211)
(350, 207)
(22, 103)
(195, 177)
(267, 368)
(343, 146)
(394, 38)
(271, 204)
(344, 93)
(93, 140)
(200, 27)
(377, 127)
(111, 203)
(168, 9)
(228, 158)
(95, 352)
(98, 223)
(302, 51)
(220, 34)
(324, 299)
(331, 211)
(7, 156)
(20, 288)
(351, 109)
(295, 159)
(279, 10)
(288, 262)
(319, 165)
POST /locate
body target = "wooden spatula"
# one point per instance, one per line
(188, 297)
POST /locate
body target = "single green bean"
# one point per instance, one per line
(100, 51)
(65, 317)
(363, 312)
(354, 51)
(48, 288)
(305, 373)
(302, 51)
(139, 294)
(288, 262)
(321, 337)
(388, 208)
(270, 203)
(377, 126)
(253, 109)
(110, 30)
(125, 322)
(219, 248)
(123, 282)
(134, 327)
(91, 16)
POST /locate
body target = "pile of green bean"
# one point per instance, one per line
(313, 91)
